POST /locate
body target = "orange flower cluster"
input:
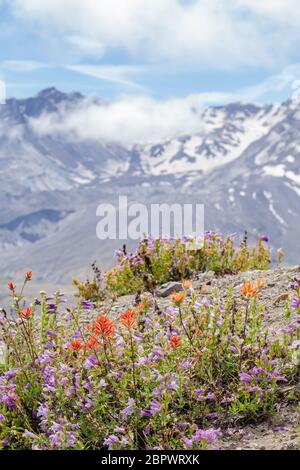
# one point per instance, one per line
(175, 342)
(249, 290)
(25, 313)
(128, 319)
(28, 276)
(186, 283)
(177, 298)
(252, 290)
(11, 286)
(260, 284)
(103, 327)
(76, 345)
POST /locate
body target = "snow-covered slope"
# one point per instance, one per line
(225, 134)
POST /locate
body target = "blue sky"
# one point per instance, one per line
(218, 50)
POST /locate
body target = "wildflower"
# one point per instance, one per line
(119, 253)
(87, 305)
(25, 313)
(11, 286)
(76, 345)
(175, 342)
(155, 407)
(29, 434)
(210, 435)
(120, 430)
(260, 284)
(128, 319)
(56, 439)
(103, 327)
(9, 400)
(264, 238)
(72, 440)
(92, 343)
(129, 409)
(177, 298)
(145, 413)
(110, 441)
(248, 290)
(295, 303)
(280, 429)
(43, 411)
(186, 284)
(187, 442)
(295, 284)
(245, 378)
(28, 276)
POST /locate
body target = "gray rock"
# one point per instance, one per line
(167, 289)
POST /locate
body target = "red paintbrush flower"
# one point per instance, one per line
(103, 327)
(25, 313)
(76, 345)
(28, 276)
(11, 286)
(175, 342)
(92, 343)
(128, 319)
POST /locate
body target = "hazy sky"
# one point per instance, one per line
(216, 50)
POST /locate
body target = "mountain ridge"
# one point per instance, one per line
(243, 164)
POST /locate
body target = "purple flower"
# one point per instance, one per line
(210, 435)
(72, 440)
(129, 409)
(52, 308)
(211, 396)
(245, 378)
(120, 430)
(280, 429)
(2, 418)
(29, 434)
(87, 305)
(145, 413)
(43, 410)
(90, 362)
(147, 430)
(295, 303)
(10, 374)
(56, 439)
(200, 394)
(155, 407)
(10, 400)
(295, 285)
(187, 442)
(111, 440)
(119, 253)
(257, 370)
(186, 364)
(264, 238)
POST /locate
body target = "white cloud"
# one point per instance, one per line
(207, 32)
(21, 65)
(116, 74)
(128, 120)
(132, 119)
(88, 46)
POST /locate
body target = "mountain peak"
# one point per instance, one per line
(56, 95)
